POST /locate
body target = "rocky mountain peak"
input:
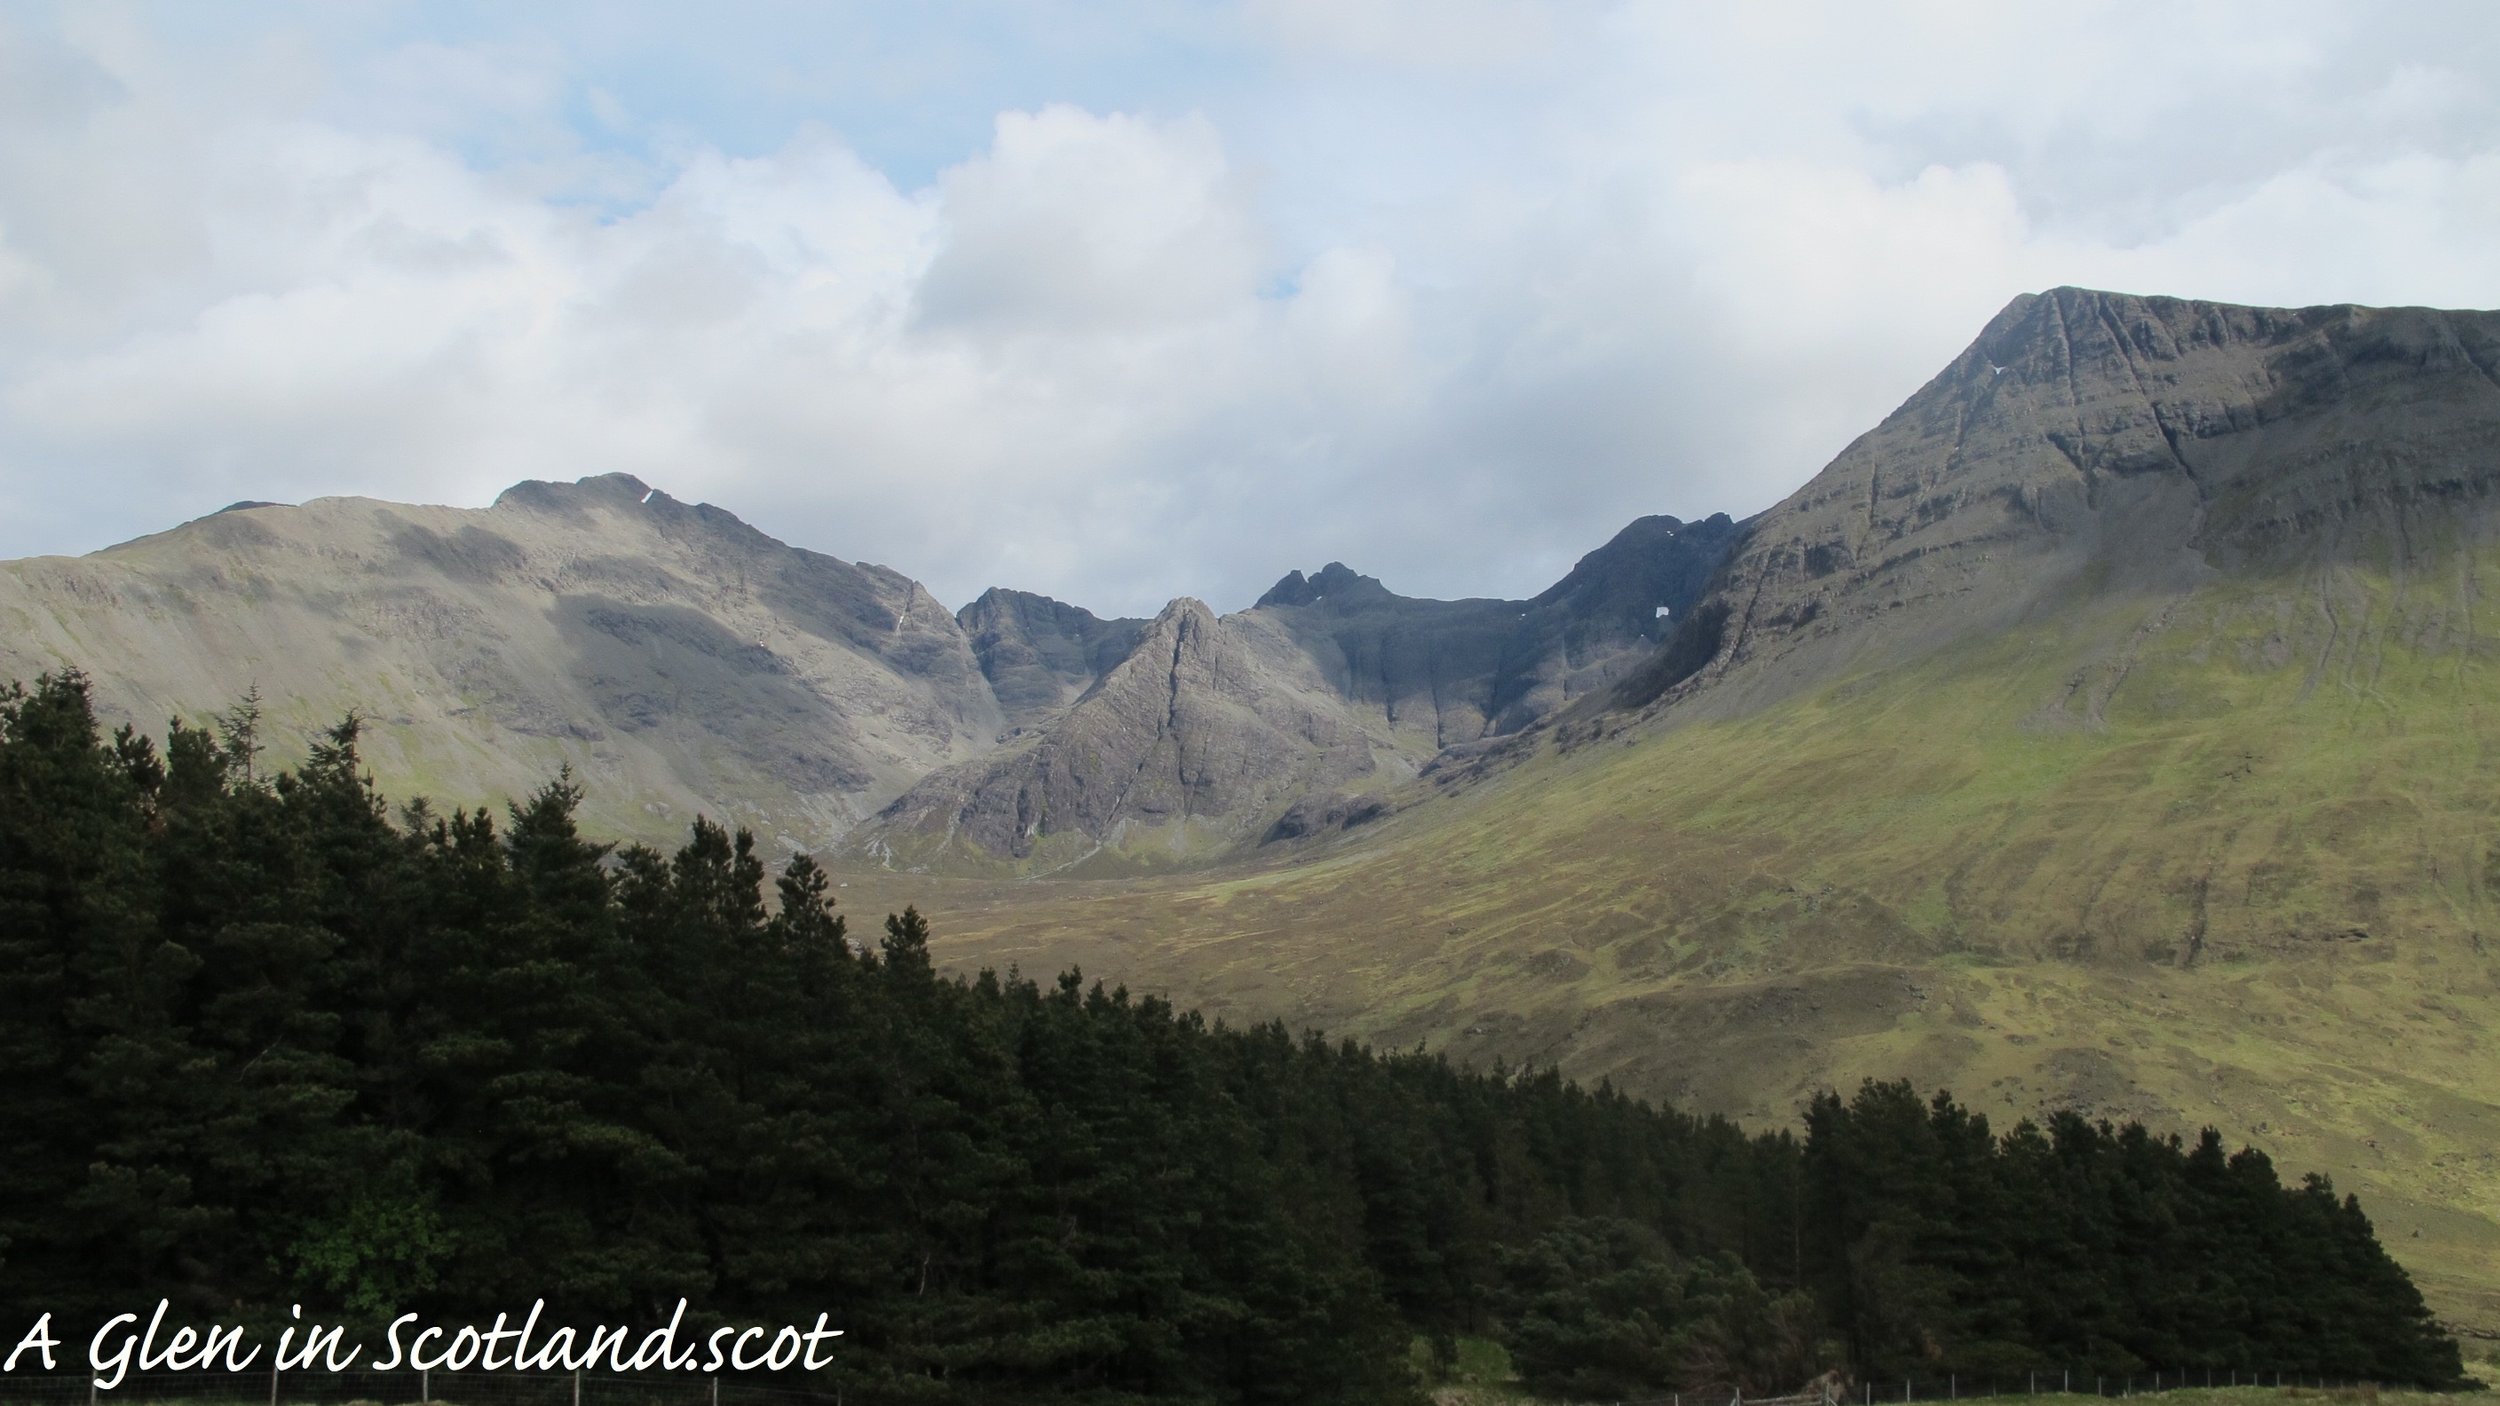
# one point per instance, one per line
(2102, 442)
(1039, 654)
(548, 495)
(1336, 581)
(677, 659)
(1181, 610)
(1204, 733)
(1189, 744)
(1290, 589)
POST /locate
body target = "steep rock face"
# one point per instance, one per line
(1445, 672)
(1039, 654)
(1278, 722)
(1189, 745)
(676, 658)
(2098, 443)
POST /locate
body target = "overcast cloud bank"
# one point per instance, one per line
(1161, 302)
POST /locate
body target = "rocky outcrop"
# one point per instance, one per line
(1280, 722)
(1189, 746)
(1039, 654)
(1446, 672)
(2092, 444)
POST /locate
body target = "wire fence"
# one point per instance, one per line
(1953, 1386)
(404, 1388)
(2067, 1383)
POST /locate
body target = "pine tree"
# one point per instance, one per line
(261, 1044)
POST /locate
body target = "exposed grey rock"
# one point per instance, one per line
(1189, 746)
(1316, 814)
(1255, 725)
(1448, 672)
(1039, 654)
(2092, 444)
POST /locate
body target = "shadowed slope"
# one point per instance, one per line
(1039, 654)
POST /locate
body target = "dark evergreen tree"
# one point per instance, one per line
(263, 1043)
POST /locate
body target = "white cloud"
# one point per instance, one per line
(1449, 292)
(1078, 224)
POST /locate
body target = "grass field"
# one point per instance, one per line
(2224, 860)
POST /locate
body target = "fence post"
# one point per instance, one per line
(1952, 1386)
(577, 1386)
(715, 1391)
(425, 1385)
(273, 1382)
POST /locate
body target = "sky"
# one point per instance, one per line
(1121, 301)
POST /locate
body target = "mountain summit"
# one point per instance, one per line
(1335, 579)
(675, 658)
(2099, 444)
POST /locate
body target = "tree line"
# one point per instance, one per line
(266, 1040)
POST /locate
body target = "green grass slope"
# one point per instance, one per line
(2216, 858)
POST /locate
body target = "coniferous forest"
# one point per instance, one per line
(268, 1039)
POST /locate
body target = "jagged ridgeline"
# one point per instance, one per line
(268, 1043)
(680, 662)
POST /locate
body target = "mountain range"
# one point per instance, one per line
(679, 661)
(2105, 729)
(2108, 729)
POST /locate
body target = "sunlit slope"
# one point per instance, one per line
(676, 659)
(2216, 857)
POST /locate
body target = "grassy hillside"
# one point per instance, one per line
(2220, 858)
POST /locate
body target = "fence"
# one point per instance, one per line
(1724, 1397)
(1953, 1387)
